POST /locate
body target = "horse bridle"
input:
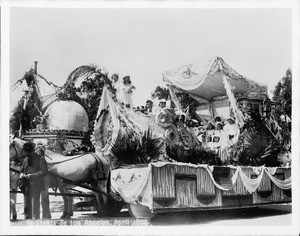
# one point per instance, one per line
(18, 157)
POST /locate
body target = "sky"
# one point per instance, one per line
(143, 43)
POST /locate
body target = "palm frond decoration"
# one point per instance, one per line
(271, 154)
(132, 149)
(252, 146)
(150, 147)
(80, 74)
(88, 76)
(258, 146)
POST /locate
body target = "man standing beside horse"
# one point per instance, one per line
(34, 171)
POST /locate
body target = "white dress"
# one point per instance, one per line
(117, 87)
(127, 94)
(232, 130)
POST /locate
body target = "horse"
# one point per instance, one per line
(14, 175)
(92, 169)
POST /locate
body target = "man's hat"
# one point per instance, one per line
(219, 123)
(28, 147)
(149, 101)
(210, 123)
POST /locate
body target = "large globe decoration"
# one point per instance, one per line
(67, 115)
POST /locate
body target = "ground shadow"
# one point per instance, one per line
(203, 217)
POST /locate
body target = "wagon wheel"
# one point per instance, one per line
(140, 211)
(112, 206)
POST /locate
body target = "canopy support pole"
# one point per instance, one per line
(233, 103)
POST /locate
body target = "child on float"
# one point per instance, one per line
(222, 144)
(192, 127)
(232, 131)
(210, 132)
(149, 107)
(127, 89)
(116, 83)
(161, 105)
(215, 145)
(158, 111)
(201, 135)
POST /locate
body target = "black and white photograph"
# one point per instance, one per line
(149, 118)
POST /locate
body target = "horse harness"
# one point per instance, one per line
(99, 168)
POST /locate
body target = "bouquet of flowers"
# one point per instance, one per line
(130, 89)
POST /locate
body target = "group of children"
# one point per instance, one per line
(124, 89)
(218, 135)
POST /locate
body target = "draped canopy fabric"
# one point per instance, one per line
(205, 79)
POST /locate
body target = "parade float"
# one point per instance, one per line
(158, 165)
(160, 161)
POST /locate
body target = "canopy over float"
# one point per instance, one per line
(208, 81)
(205, 80)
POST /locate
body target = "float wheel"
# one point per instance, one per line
(113, 207)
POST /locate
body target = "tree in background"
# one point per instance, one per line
(283, 95)
(160, 93)
(283, 110)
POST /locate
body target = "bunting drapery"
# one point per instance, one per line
(250, 184)
(135, 185)
(283, 184)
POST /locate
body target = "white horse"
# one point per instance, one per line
(91, 169)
